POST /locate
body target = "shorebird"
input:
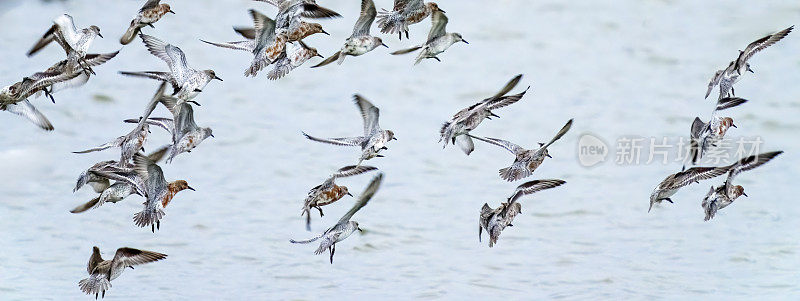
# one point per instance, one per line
(110, 193)
(328, 192)
(186, 135)
(374, 139)
(405, 13)
(527, 160)
(438, 39)
(729, 76)
(360, 42)
(132, 142)
(74, 42)
(150, 13)
(151, 184)
(466, 120)
(102, 272)
(723, 195)
(292, 57)
(344, 227)
(670, 185)
(186, 82)
(263, 41)
(705, 135)
(497, 219)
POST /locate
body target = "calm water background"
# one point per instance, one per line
(617, 67)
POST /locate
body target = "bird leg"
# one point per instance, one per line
(669, 200)
(333, 250)
(320, 211)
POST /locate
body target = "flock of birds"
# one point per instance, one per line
(704, 136)
(273, 42)
(279, 43)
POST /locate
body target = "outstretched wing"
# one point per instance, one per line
(760, 44)
(352, 170)
(438, 25)
(365, 20)
(363, 199)
(513, 148)
(534, 186)
(560, 133)
(714, 81)
(369, 113)
(691, 175)
(128, 257)
(347, 141)
(26, 109)
(746, 164)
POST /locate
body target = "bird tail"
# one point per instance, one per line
(465, 143)
(95, 284)
(509, 174)
(86, 206)
(148, 217)
(330, 59)
(130, 34)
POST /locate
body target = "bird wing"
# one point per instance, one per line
(346, 141)
(438, 25)
(534, 186)
(698, 126)
(513, 148)
(746, 164)
(714, 81)
(312, 10)
(246, 32)
(363, 199)
(560, 133)
(150, 4)
(691, 175)
(760, 44)
(365, 20)
(507, 88)
(126, 257)
(505, 100)
(94, 59)
(248, 45)
(94, 260)
(352, 170)
(369, 113)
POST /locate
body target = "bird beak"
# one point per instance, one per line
(493, 115)
(394, 138)
(190, 188)
(319, 55)
(744, 194)
(350, 194)
(216, 77)
(384, 45)
(751, 70)
(359, 230)
(325, 32)
(99, 35)
(441, 10)
(212, 135)
(172, 12)
(733, 125)
(465, 41)
(379, 156)
(548, 155)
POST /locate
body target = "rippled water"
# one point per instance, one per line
(618, 67)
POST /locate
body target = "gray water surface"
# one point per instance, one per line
(617, 67)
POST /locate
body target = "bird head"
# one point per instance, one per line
(212, 74)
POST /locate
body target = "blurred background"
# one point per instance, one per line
(619, 68)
